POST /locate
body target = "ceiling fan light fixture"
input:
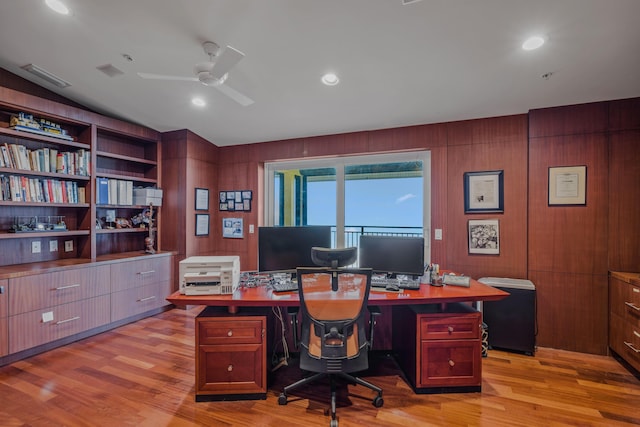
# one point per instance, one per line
(330, 79)
(57, 6)
(533, 43)
(198, 102)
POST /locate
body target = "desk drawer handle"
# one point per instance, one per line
(636, 290)
(60, 288)
(146, 272)
(72, 319)
(450, 329)
(230, 333)
(451, 363)
(229, 368)
(636, 333)
(147, 298)
(630, 345)
(632, 305)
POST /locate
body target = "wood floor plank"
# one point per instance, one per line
(142, 374)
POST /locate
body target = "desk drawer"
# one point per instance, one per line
(447, 327)
(236, 330)
(231, 369)
(450, 363)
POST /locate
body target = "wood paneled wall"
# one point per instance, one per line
(572, 248)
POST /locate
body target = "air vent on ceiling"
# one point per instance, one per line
(110, 70)
(45, 75)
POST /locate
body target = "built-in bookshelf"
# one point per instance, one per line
(49, 178)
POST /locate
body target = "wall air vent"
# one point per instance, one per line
(45, 75)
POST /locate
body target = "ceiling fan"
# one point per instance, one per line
(213, 72)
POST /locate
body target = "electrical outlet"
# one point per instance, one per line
(35, 247)
(53, 246)
(68, 246)
(251, 229)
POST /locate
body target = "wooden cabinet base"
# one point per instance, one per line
(231, 355)
(441, 349)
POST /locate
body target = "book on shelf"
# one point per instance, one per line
(102, 191)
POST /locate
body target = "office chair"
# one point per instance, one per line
(333, 304)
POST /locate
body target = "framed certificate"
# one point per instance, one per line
(568, 185)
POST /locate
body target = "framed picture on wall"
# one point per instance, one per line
(232, 228)
(568, 185)
(202, 199)
(202, 224)
(484, 236)
(483, 192)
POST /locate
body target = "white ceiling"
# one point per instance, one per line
(426, 62)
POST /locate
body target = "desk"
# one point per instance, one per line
(429, 314)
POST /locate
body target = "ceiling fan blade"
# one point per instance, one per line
(235, 95)
(227, 59)
(163, 77)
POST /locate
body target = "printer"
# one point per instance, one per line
(209, 275)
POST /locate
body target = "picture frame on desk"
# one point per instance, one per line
(568, 186)
(484, 236)
(202, 224)
(483, 192)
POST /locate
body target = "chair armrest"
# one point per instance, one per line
(374, 311)
(292, 312)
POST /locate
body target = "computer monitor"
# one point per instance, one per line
(287, 248)
(392, 254)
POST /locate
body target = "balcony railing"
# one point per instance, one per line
(353, 233)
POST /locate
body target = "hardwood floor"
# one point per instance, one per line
(142, 374)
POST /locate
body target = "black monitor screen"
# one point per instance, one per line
(286, 248)
(392, 254)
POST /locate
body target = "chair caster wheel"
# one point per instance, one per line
(282, 399)
(378, 402)
(333, 423)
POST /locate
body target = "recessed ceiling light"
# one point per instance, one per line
(533, 43)
(58, 6)
(330, 79)
(198, 102)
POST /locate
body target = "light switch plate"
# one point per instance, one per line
(438, 234)
(68, 246)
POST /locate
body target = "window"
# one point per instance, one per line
(377, 194)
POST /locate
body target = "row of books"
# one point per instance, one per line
(46, 159)
(24, 189)
(114, 191)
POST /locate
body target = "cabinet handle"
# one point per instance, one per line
(230, 333)
(229, 368)
(630, 345)
(72, 319)
(450, 329)
(636, 290)
(147, 272)
(146, 299)
(77, 285)
(636, 333)
(632, 305)
(451, 363)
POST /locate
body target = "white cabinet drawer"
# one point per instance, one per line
(28, 330)
(35, 292)
(141, 272)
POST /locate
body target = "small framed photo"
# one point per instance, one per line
(202, 224)
(483, 192)
(568, 186)
(484, 236)
(202, 199)
(232, 228)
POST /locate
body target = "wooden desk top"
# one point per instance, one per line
(263, 297)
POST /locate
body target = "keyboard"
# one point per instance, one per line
(284, 286)
(381, 281)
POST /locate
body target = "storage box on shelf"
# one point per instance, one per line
(42, 176)
(624, 316)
